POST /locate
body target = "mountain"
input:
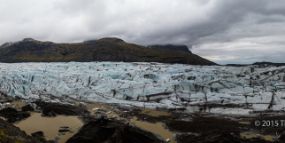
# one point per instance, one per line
(106, 49)
(171, 47)
(269, 63)
(260, 64)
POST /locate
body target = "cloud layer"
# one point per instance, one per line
(225, 31)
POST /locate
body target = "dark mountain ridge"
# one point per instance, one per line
(262, 64)
(105, 49)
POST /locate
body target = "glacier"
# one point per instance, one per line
(230, 90)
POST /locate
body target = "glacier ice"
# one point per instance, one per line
(146, 84)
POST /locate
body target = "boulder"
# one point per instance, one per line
(12, 115)
(27, 108)
(53, 109)
(112, 131)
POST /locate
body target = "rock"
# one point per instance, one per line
(38, 134)
(53, 109)
(200, 124)
(216, 137)
(100, 116)
(49, 114)
(4, 98)
(64, 129)
(111, 131)
(12, 115)
(27, 108)
(282, 137)
(201, 129)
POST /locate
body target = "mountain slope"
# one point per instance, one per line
(106, 49)
(171, 47)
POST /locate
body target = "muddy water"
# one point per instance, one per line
(156, 128)
(50, 126)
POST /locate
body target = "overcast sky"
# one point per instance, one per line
(225, 31)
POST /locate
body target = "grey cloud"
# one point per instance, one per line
(200, 23)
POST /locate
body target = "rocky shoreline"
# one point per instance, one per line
(113, 123)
